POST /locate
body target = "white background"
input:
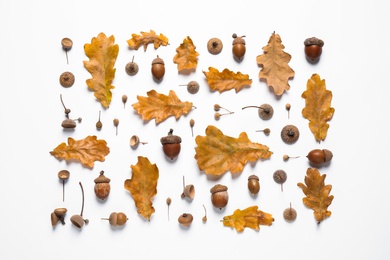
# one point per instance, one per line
(354, 64)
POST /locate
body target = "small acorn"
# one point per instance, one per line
(58, 215)
(185, 219)
(319, 157)
(239, 48)
(102, 186)
(219, 196)
(253, 184)
(171, 145)
(117, 219)
(131, 68)
(313, 49)
(158, 68)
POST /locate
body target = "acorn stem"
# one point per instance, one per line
(63, 190)
(82, 204)
(251, 107)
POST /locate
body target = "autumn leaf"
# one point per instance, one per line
(186, 56)
(226, 80)
(160, 106)
(317, 109)
(217, 153)
(274, 62)
(146, 38)
(87, 150)
(250, 217)
(102, 54)
(143, 186)
(317, 194)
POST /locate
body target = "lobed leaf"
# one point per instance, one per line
(250, 217)
(186, 57)
(226, 80)
(146, 38)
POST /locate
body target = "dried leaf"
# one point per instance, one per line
(274, 62)
(87, 150)
(186, 56)
(160, 106)
(102, 54)
(317, 194)
(249, 217)
(146, 38)
(226, 80)
(217, 153)
(317, 109)
(143, 186)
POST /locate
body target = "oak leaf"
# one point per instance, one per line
(226, 80)
(317, 109)
(317, 194)
(143, 186)
(186, 57)
(250, 217)
(160, 106)
(274, 62)
(146, 38)
(102, 54)
(217, 153)
(87, 150)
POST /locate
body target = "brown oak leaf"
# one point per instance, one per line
(186, 57)
(317, 194)
(160, 106)
(274, 62)
(146, 38)
(143, 186)
(87, 150)
(317, 109)
(102, 54)
(217, 153)
(250, 217)
(226, 80)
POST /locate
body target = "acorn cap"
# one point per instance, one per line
(313, 41)
(60, 212)
(289, 134)
(102, 178)
(185, 219)
(328, 155)
(238, 39)
(158, 60)
(63, 174)
(218, 188)
(253, 177)
(170, 139)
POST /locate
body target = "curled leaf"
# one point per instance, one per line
(226, 80)
(146, 38)
(217, 153)
(317, 194)
(250, 217)
(274, 62)
(160, 106)
(87, 150)
(317, 109)
(143, 186)
(186, 57)
(102, 54)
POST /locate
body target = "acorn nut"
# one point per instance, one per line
(253, 184)
(185, 219)
(313, 49)
(239, 48)
(219, 196)
(171, 145)
(158, 68)
(102, 186)
(117, 219)
(319, 157)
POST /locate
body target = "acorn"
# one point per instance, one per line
(219, 196)
(313, 49)
(239, 48)
(319, 157)
(158, 68)
(102, 186)
(58, 215)
(171, 145)
(185, 219)
(253, 184)
(117, 219)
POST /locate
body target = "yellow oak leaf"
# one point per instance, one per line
(146, 38)
(186, 57)
(87, 150)
(217, 153)
(274, 62)
(317, 194)
(317, 108)
(143, 186)
(226, 80)
(102, 54)
(250, 217)
(160, 106)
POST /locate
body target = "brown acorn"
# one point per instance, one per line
(102, 186)
(253, 184)
(319, 157)
(171, 145)
(313, 49)
(219, 196)
(185, 219)
(239, 48)
(117, 219)
(158, 68)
